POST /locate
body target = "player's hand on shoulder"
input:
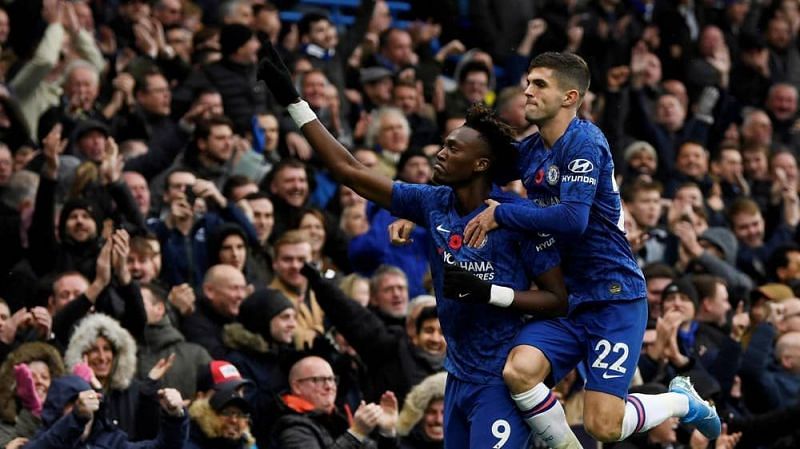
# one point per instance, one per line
(476, 230)
(461, 285)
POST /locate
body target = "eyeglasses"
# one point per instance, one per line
(321, 380)
(234, 414)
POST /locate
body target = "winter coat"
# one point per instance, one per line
(26, 426)
(394, 362)
(185, 257)
(267, 364)
(242, 95)
(26, 353)
(130, 404)
(204, 327)
(768, 384)
(418, 440)
(204, 431)
(66, 431)
(162, 339)
(303, 428)
(418, 400)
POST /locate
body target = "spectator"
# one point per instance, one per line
(312, 421)
(771, 369)
(781, 106)
(228, 245)
(406, 96)
(138, 187)
(261, 347)
(234, 77)
(220, 414)
(292, 250)
(403, 353)
(149, 121)
(70, 419)
(100, 344)
(263, 222)
(658, 277)
(78, 102)
(224, 289)
(180, 233)
(473, 87)
(748, 226)
(163, 341)
(288, 185)
(421, 420)
(25, 377)
(388, 134)
(377, 84)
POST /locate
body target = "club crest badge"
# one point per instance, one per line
(552, 175)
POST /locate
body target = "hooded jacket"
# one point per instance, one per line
(26, 353)
(267, 364)
(409, 422)
(131, 404)
(162, 339)
(205, 430)
(65, 431)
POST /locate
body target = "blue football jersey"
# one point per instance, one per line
(479, 336)
(599, 264)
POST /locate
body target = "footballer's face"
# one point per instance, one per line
(544, 97)
(463, 154)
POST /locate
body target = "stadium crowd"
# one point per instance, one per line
(179, 270)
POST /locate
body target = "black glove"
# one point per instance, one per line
(310, 273)
(274, 73)
(461, 285)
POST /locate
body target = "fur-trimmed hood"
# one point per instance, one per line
(97, 325)
(418, 399)
(235, 336)
(210, 422)
(25, 353)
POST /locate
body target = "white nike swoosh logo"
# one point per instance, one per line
(463, 295)
(611, 376)
(441, 229)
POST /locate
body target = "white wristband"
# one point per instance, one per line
(501, 296)
(301, 113)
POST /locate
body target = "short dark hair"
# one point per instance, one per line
(159, 294)
(631, 189)
(473, 66)
(203, 128)
(235, 182)
(659, 270)
(569, 69)
(143, 81)
(706, 285)
(499, 137)
(780, 259)
(427, 313)
(305, 22)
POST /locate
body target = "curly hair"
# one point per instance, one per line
(25, 353)
(499, 136)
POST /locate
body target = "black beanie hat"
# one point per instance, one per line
(232, 37)
(73, 204)
(259, 308)
(682, 286)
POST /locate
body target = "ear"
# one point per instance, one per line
(571, 98)
(482, 165)
(201, 145)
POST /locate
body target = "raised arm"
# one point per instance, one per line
(339, 161)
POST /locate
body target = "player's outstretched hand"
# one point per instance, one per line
(461, 285)
(274, 73)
